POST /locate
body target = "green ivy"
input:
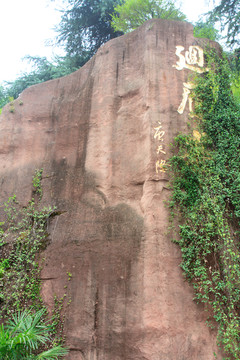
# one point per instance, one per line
(206, 200)
(23, 235)
(36, 181)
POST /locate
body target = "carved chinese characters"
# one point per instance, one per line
(186, 91)
(159, 136)
(192, 60)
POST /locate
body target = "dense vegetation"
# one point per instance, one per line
(206, 30)
(85, 26)
(227, 13)
(206, 198)
(22, 337)
(132, 13)
(23, 235)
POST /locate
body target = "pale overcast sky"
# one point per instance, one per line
(25, 25)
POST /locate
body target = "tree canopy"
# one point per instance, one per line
(206, 30)
(85, 26)
(133, 13)
(227, 13)
(3, 97)
(42, 70)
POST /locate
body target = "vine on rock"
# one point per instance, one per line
(206, 199)
(23, 235)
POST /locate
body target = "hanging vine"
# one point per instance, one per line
(206, 200)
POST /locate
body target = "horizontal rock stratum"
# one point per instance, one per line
(102, 136)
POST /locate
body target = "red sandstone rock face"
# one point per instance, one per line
(93, 134)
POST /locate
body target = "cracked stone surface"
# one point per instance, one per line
(93, 133)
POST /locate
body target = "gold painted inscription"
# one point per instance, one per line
(159, 136)
(186, 92)
(193, 60)
(160, 150)
(159, 133)
(160, 166)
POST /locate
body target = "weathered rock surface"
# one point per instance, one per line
(97, 136)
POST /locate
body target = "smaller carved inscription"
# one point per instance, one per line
(158, 132)
(159, 136)
(160, 166)
(160, 150)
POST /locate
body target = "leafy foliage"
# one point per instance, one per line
(206, 196)
(36, 181)
(227, 13)
(22, 337)
(42, 70)
(23, 235)
(234, 61)
(3, 97)
(133, 13)
(206, 30)
(85, 26)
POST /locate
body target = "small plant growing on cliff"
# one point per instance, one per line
(69, 275)
(36, 181)
(11, 105)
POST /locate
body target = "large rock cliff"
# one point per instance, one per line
(102, 136)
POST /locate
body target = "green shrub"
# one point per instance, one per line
(22, 337)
